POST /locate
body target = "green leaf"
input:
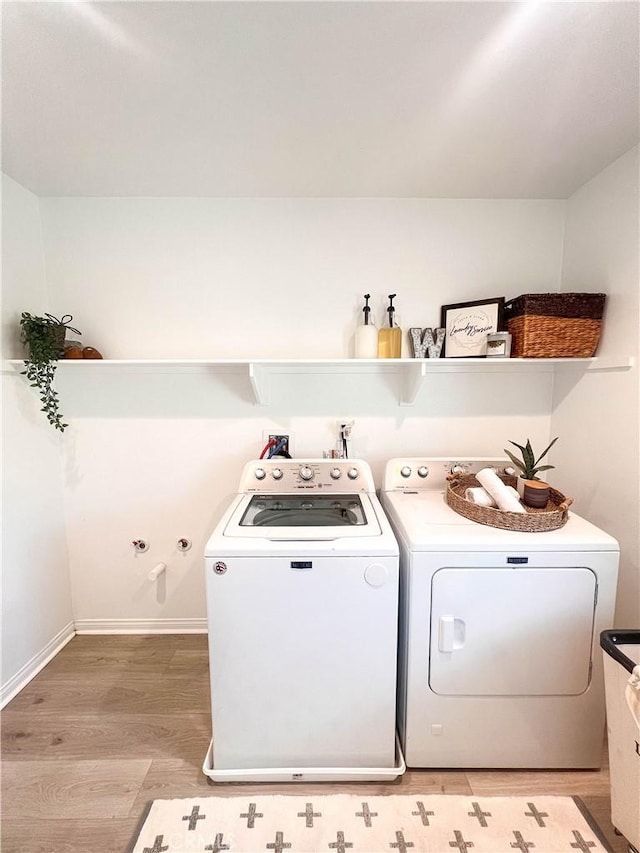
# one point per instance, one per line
(515, 461)
(544, 453)
(529, 458)
(519, 446)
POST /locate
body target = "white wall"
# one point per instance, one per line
(158, 455)
(598, 418)
(161, 278)
(36, 603)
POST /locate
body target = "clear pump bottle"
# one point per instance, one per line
(390, 337)
(365, 343)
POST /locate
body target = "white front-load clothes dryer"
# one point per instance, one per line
(499, 664)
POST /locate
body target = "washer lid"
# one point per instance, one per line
(300, 510)
(303, 517)
(428, 523)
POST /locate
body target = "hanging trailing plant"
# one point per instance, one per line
(44, 339)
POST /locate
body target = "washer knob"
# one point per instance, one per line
(335, 473)
(423, 471)
(510, 471)
(458, 469)
(260, 473)
(306, 473)
(277, 473)
(352, 473)
(405, 471)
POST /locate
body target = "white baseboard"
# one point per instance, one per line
(15, 684)
(141, 626)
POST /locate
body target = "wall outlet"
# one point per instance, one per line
(273, 435)
(343, 450)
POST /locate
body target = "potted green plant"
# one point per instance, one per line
(44, 340)
(531, 488)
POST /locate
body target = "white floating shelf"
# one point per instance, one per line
(259, 371)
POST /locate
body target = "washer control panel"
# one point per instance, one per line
(321, 475)
(416, 474)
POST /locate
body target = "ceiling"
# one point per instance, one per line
(306, 99)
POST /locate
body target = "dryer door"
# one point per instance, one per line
(511, 632)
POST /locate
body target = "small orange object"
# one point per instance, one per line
(90, 352)
(73, 352)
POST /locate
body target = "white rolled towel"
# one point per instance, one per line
(499, 492)
(480, 496)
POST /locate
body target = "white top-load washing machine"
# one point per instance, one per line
(302, 600)
(499, 664)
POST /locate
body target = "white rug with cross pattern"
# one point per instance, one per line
(343, 823)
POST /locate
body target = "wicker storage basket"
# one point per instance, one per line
(555, 325)
(553, 516)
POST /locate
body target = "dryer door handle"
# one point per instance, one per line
(451, 633)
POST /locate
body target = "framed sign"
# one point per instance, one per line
(467, 325)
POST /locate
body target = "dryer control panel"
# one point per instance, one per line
(417, 473)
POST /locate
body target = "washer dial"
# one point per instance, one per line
(458, 468)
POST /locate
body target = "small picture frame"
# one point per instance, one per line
(467, 325)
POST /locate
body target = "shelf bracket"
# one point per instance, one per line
(411, 382)
(259, 378)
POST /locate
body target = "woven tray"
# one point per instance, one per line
(555, 325)
(553, 516)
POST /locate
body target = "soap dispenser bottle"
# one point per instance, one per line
(390, 337)
(366, 337)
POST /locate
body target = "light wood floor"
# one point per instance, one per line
(114, 722)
